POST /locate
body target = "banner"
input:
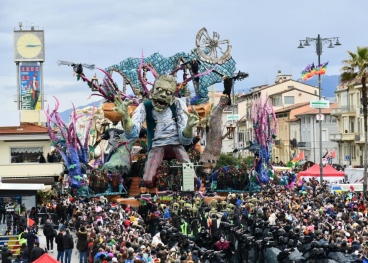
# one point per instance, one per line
(30, 87)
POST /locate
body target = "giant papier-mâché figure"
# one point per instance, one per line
(169, 124)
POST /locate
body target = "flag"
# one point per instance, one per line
(30, 222)
(333, 154)
(301, 155)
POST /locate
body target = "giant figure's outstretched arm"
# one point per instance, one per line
(132, 126)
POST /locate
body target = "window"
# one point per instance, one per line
(315, 92)
(276, 101)
(289, 100)
(359, 125)
(327, 119)
(308, 119)
(333, 119)
(353, 151)
(303, 120)
(324, 135)
(25, 154)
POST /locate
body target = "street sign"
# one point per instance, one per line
(320, 117)
(233, 117)
(347, 157)
(319, 104)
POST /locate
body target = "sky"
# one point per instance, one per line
(264, 35)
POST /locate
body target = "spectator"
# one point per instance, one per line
(49, 233)
(59, 240)
(36, 252)
(6, 254)
(31, 239)
(82, 244)
(42, 159)
(68, 246)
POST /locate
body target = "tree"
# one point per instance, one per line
(355, 70)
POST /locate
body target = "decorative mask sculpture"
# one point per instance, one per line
(162, 93)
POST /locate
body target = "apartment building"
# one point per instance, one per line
(283, 93)
(310, 139)
(350, 134)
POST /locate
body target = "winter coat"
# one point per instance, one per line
(48, 230)
(30, 239)
(68, 241)
(59, 240)
(82, 244)
(6, 255)
(36, 253)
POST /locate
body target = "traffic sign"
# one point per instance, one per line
(233, 117)
(320, 117)
(319, 104)
(347, 157)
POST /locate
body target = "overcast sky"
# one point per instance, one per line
(264, 35)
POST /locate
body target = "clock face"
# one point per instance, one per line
(29, 46)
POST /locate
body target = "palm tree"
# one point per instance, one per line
(355, 70)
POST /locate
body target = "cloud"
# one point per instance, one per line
(264, 36)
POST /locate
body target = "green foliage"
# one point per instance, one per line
(226, 160)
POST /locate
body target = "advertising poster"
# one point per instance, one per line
(30, 87)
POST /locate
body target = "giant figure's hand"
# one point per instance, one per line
(193, 119)
(121, 107)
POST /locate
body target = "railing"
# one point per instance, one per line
(279, 142)
(348, 108)
(304, 144)
(30, 169)
(335, 137)
(335, 111)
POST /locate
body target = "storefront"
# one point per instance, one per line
(14, 195)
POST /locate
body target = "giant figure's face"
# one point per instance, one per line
(162, 93)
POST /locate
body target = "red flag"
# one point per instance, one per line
(333, 154)
(301, 155)
(30, 222)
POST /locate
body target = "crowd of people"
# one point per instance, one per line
(303, 224)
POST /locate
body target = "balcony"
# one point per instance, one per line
(22, 170)
(279, 143)
(348, 136)
(348, 109)
(304, 144)
(359, 139)
(335, 137)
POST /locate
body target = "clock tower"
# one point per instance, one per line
(29, 55)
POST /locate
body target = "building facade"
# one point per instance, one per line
(350, 133)
(20, 150)
(310, 134)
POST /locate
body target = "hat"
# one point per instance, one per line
(156, 260)
(131, 250)
(114, 260)
(5, 244)
(143, 247)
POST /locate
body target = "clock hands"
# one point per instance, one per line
(33, 45)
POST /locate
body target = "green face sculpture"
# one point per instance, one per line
(162, 93)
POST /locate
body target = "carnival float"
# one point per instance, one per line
(154, 133)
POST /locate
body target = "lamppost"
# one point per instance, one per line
(319, 42)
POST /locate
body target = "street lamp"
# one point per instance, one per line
(319, 42)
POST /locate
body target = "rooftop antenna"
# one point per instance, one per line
(32, 26)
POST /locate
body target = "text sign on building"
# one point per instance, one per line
(233, 117)
(30, 87)
(188, 177)
(320, 104)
